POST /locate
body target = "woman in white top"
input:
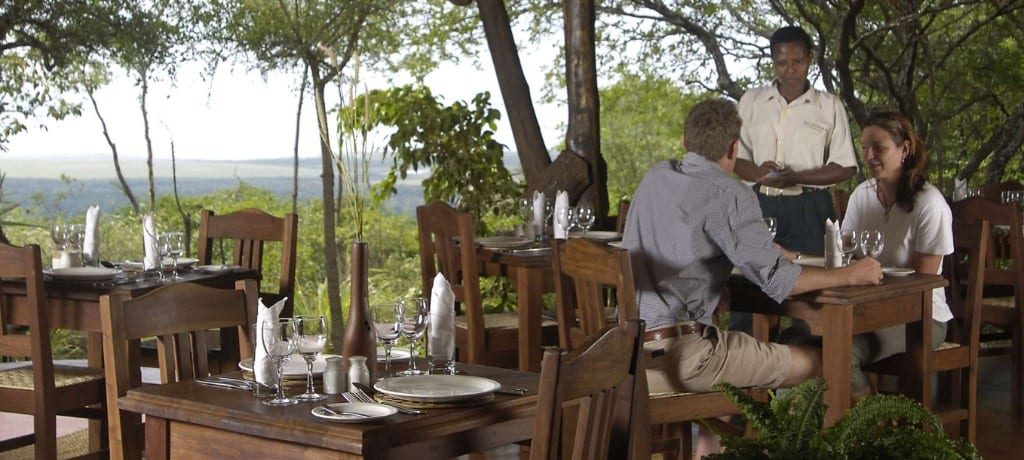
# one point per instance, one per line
(916, 221)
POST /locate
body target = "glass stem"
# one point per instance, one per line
(280, 379)
(412, 355)
(387, 360)
(309, 376)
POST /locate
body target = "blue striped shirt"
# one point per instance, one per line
(689, 224)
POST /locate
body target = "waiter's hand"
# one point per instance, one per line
(774, 174)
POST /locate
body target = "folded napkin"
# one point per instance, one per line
(561, 209)
(152, 258)
(441, 336)
(833, 245)
(262, 366)
(538, 211)
(959, 189)
(89, 249)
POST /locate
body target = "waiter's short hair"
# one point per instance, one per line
(790, 34)
(711, 127)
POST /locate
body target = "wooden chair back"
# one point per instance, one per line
(248, 230)
(179, 316)
(585, 271)
(446, 239)
(601, 377)
(620, 220)
(994, 192)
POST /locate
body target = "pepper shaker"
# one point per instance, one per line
(334, 376)
(357, 372)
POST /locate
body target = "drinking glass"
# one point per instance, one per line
(279, 341)
(526, 210)
(172, 244)
(311, 332)
(564, 219)
(848, 242)
(585, 218)
(872, 242)
(74, 239)
(773, 226)
(415, 314)
(163, 250)
(549, 209)
(59, 235)
(387, 320)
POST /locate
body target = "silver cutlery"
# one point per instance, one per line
(337, 413)
(219, 384)
(361, 395)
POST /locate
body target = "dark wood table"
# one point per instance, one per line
(840, 313)
(75, 305)
(188, 420)
(533, 277)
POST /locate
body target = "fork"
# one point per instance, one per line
(360, 396)
(337, 413)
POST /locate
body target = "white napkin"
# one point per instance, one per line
(959, 189)
(441, 336)
(538, 210)
(262, 366)
(89, 249)
(833, 245)
(152, 259)
(561, 203)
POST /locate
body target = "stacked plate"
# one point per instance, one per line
(503, 242)
(83, 273)
(437, 388)
(597, 235)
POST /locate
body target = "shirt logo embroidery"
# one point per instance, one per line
(815, 126)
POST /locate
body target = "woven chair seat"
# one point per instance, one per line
(20, 378)
(1002, 302)
(507, 320)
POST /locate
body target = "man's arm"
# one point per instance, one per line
(826, 175)
(862, 272)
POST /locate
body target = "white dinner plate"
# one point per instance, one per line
(295, 367)
(897, 271)
(810, 261)
(597, 235)
(83, 273)
(398, 354)
(372, 411)
(437, 388)
(503, 242)
(215, 268)
(182, 261)
(615, 244)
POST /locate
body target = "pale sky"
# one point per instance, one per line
(245, 115)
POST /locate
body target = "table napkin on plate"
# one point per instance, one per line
(538, 211)
(92, 222)
(262, 366)
(833, 245)
(152, 259)
(561, 202)
(441, 336)
(959, 189)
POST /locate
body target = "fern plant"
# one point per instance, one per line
(790, 426)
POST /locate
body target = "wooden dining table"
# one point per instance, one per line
(837, 314)
(75, 305)
(189, 420)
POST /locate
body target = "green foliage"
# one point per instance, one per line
(456, 142)
(879, 427)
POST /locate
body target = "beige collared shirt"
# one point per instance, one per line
(807, 133)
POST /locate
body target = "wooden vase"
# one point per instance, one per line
(360, 337)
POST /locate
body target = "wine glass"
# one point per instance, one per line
(549, 209)
(585, 218)
(311, 332)
(387, 320)
(415, 314)
(872, 242)
(526, 210)
(564, 219)
(279, 341)
(848, 242)
(773, 226)
(59, 235)
(163, 250)
(172, 244)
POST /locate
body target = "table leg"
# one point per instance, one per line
(529, 290)
(158, 438)
(94, 357)
(916, 380)
(837, 341)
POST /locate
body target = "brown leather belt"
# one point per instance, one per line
(677, 330)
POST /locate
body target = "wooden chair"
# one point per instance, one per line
(585, 270)
(967, 271)
(597, 383)
(446, 238)
(249, 229)
(620, 220)
(994, 192)
(40, 388)
(179, 315)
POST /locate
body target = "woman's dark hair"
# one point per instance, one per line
(915, 165)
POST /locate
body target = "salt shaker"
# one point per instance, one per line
(357, 372)
(334, 376)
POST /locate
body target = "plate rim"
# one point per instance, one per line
(318, 412)
(510, 242)
(898, 271)
(61, 273)
(608, 235)
(494, 384)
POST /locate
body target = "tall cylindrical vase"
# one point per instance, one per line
(360, 336)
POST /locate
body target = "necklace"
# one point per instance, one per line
(886, 207)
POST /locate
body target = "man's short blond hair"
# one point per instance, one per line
(711, 128)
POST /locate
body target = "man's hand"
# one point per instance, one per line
(864, 271)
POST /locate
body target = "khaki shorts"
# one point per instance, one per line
(696, 362)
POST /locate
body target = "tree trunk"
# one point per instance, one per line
(583, 135)
(113, 150)
(298, 121)
(149, 143)
(330, 238)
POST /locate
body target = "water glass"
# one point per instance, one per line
(311, 332)
(564, 219)
(171, 244)
(387, 321)
(773, 226)
(584, 217)
(279, 341)
(872, 242)
(848, 242)
(259, 389)
(415, 315)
